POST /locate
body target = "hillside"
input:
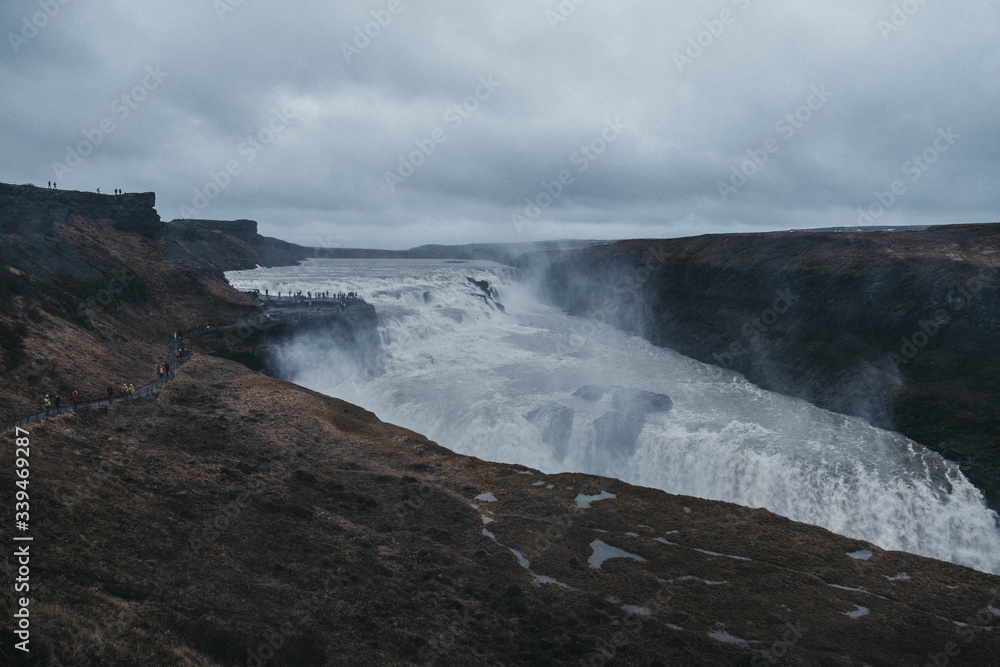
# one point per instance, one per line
(239, 519)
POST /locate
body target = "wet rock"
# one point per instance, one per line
(640, 401)
(555, 422)
(590, 392)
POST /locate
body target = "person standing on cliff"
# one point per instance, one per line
(75, 397)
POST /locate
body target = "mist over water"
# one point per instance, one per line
(534, 386)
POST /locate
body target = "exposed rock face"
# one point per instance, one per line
(555, 422)
(901, 328)
(254, 340)
(28, 210)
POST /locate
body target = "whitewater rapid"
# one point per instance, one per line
(475, 379)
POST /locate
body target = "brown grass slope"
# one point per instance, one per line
(157, 519)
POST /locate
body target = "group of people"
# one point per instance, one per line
(55, 400)
(311, 295)
(55, 186)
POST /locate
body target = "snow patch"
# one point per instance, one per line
(713, 553)
(858, 612)
(634, 609)
(584, 501)
(488, 497)
(603, 552)
(720, 635)
(525, 563)
(864, 554)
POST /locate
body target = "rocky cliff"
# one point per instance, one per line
(30, 210)
(901, 328)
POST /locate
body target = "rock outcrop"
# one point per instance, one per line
(30, 210)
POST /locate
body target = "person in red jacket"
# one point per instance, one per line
(74, 397)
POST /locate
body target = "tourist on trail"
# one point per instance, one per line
(166, 369)
(98, 191)
(131, 389)
(124, 390)
(75, 397)
(47, 403)
(159, 371)
(111, 393)
(58, 402)
(55, 185)
(50, 184)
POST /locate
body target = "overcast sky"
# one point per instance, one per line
(393, 123)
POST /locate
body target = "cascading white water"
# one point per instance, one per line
(506, 386)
